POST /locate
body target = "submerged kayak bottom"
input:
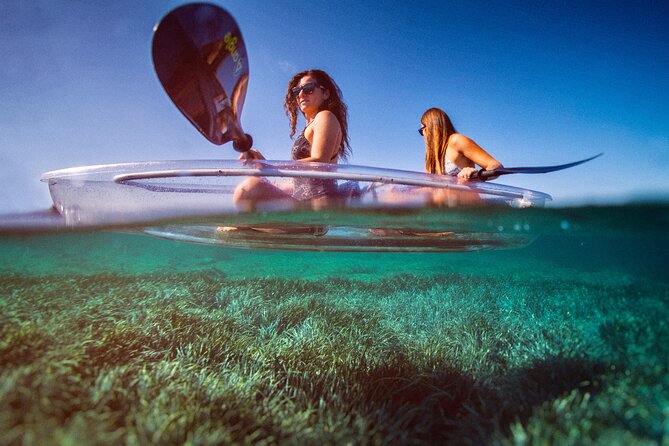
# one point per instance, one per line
(341, 238)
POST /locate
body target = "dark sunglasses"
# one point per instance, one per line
(420, 130)
(307, 88)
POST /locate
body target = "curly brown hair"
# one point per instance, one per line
(334, 103)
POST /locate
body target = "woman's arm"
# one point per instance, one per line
(472, 151)
(325, 138)
(251, 154)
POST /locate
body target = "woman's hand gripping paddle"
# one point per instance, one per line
(200, 58)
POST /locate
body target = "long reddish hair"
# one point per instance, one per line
(438, 128)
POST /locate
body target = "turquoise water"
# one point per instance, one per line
(627, 241)
(593, 286)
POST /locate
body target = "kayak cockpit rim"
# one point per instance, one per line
(125, 174)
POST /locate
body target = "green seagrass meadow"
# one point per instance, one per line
(200, 358)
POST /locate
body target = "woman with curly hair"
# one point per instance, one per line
(324, 139)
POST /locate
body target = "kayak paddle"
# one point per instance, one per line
(486, 174)
(201, 61)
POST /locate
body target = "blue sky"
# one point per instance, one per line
(533, 83)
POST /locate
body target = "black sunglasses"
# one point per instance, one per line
(307, 88)
(420, 130)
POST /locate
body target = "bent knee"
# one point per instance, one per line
(245, 189)
(248, 189)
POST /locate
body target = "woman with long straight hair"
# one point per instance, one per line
(448, 152)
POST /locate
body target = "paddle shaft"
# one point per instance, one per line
(490, 174)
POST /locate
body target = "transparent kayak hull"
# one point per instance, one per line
(374, 210)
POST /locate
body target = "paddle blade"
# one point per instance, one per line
(486, 174)
(201, 61)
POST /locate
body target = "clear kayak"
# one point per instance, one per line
(374, 209)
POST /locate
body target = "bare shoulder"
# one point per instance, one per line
(458, 141)
(327, 118)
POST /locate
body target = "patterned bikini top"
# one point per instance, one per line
(302, 148)
(450, 168)
(309, 188)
